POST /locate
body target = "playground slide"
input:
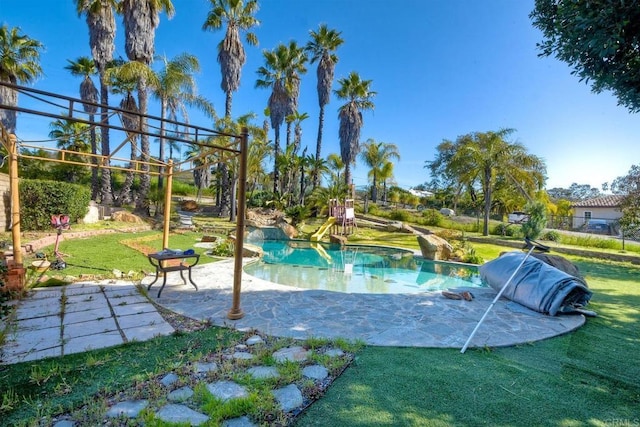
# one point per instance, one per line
(322, 252)
(317, 236)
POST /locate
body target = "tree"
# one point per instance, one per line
(480, 158)
(575, 192)
(358, 94)
(376, 155)
(85, 67)
(280, 74)
(141, 18)
(322, 47)
(598, 39)
(335, 165)
(237, 15)
(100, 17)
(19, 64)
(629, 187)
(175, 88)
(537, 221)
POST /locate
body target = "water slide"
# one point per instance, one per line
(317, 236)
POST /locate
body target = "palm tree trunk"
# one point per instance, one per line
(347, 173)
(374, 190)
(95, 183)
(163, 114)
(487, 201)
(276, 153)
(227, 105)
(106, 195)
(316, 177)
(142, 202)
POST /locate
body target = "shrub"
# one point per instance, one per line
(432, 217)
(39, 200)
(298, 214)
(399, 215)
(505, 230)
(258, 199)
(537, 220)
(223, 248)
(551, 236)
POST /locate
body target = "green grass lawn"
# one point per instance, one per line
(589, 377)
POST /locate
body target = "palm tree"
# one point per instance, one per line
(237, 15)
(322, 46)
(100, 17)
(19, 63)
(141, 18)
(335, 164)
(297, 119)
(71, 136)
(385, 173)
(175, 88)
(279, 73)
(484, 156)
(358, 94)
(85, 67)
(297, 59)
(376, 155)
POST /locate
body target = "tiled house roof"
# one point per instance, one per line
(611, 201)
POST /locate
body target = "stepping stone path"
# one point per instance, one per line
(182, 408)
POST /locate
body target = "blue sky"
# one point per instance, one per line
(441, 69)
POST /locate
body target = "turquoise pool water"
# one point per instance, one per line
(357, 269)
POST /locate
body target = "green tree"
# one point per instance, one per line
(335, 164)
(629, 186)
(85, 67)
(322, 47)
(141, 18)
(376, 155)
(19, 64)
(481, 158)
(358, 94)
(280, 74)
(537, 221)
(100, 18)
(238, 15)
(598, 39)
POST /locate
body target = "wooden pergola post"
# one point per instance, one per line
(236, 312)
(16, 270)
(167, 205)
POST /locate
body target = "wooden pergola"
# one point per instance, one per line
(214, 146)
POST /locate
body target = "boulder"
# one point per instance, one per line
(394, 226)
(189, 205)
(251, 251)
(124, 216)
(288, 229)
(336, 238)
(434, 248)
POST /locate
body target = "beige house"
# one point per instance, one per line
(598, 215)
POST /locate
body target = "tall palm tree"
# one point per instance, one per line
(281, 69)
(484, 156)
(296, 118)
(100, 17)
(175, 88)
(123, 83)
(19, 63)
(322, 47)
(385, 174)
(141, 18)
(238, 15)
(376, 155)
(358, 94)
(297, 59)
(85, 67)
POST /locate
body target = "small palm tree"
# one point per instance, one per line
(238, 15)
(335, 164)
(322, 47)
(71, 136)
(85, 67)
(19, 63)
(175, 87)
(376, 155)
(358, 94)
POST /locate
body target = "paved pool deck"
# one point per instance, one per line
(405, 320)
(90, 315)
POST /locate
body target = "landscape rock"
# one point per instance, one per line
(227, 390)
(336, 238)
(291, 354)
(173, 413)
(124, 216)
(288, 397)
(181, 394)
(394, 226)
(434, 248)
(129, 408)
(316, 372)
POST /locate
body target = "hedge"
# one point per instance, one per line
(40, 199)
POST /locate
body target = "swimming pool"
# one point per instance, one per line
(357, 269)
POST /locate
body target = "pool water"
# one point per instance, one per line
(357, 269)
